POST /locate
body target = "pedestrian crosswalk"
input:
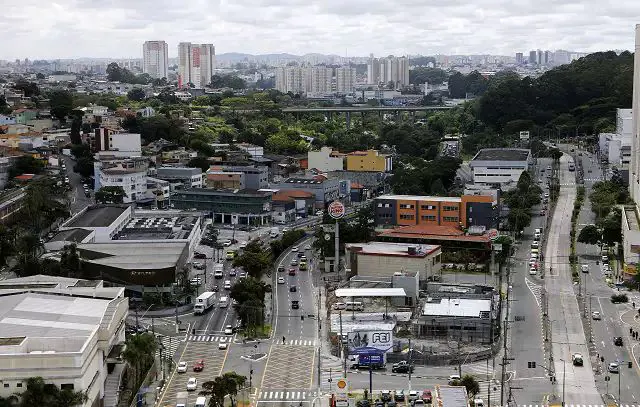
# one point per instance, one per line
(284, 395)
(301, 342)
(169, 346)
(210, 338)
(493, 389)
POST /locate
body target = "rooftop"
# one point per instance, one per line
(157, 228)
(97, 216)
(288, 194)
(433, 232)
(311, 181)
(451, 396)
(46, 323)
(226, 192)
(76, 235)
(456, 307)
(502, 154)
(392, 249)
(421, 198)
(370, 292)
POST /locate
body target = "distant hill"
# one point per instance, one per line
(233, 57)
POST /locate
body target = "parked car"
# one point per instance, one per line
(398, 396)
(280, 280)
(596, 315)
(427, 396)
(617, 341)
(295, 304)
(402, 367)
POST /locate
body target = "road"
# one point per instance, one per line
(574, 385)
(288, 375)
(78, 199)
(616, 318)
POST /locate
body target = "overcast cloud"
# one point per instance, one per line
(117, 28)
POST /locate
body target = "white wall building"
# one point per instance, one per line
(389, 69)
(155, 59)
(291, 79)
(196, 64)
(345, 79)
(118, 144)
(634, 170)
(64, 333)
(319, 79)
(130, 174)
(326, 160)
(500, 166)
(251, 149)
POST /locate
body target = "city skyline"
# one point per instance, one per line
(494, 27)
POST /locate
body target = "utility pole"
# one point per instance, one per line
(505, 333)
(344, 355)
(409, 357)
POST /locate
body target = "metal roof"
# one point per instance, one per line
(370, 292)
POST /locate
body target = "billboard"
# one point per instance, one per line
(524, 135)
(365, 341)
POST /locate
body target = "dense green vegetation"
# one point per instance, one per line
(39, 393)
(520, 201)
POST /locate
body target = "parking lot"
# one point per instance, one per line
(213, 362)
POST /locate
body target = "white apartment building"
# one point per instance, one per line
(326, 160)
(616, 147)
(345, 79)
(291, 79)
(130, 174)
(155, 59)
(634, 170)
(67, 331)
(196, 63)
(389, 69)
(319, 79)
(118, 144)
(500, 167)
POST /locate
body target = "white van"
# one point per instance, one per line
(201, 402)
(354, 306)
(224, 302)
(476, 403)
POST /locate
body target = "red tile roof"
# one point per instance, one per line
(25, 177)
(432, 232)
(355, 185)
(288, 194)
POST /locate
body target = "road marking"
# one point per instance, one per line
(265, 366)
(164, 393)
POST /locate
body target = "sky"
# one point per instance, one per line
(39, 29)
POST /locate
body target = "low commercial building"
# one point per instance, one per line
(122, 145)
(450, 396)
(325, 160)
(325, 190)
(237, 177)
(289, 204)
(68, 331)
(369, 161)
(465, 313)
(500, 167)
(245, 207)
(462, 212)
(387, 259)
(180, 177)
(105, 221)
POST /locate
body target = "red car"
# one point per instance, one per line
(427, 397)
(292, 271)
(198, 366)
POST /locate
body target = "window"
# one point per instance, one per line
(450, 218)
(379, 205)
(406, 206)
(6, 385)
(407, 217)
(19, 384)
(427, 207)
(449, 208)
(430, 218)
(66, 386)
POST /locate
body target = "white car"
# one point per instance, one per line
(546, 195)
(227, 284)
(533, 271)
(613, 367)
(280, 280)
(192, 384)
(226, 243)
(182, 367)
(223, 345)
(232, 272)
(596, 315)
(228, 330)
(294, 249)
(242, 245)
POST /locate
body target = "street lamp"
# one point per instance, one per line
(564, 376)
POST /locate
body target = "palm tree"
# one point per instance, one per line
(68, 398)
(139, 354)
(37, 393)
(11, 401)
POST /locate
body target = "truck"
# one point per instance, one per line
(181, 399)
(204, 302)
(274, 232)
(367, 361)
(218, 270)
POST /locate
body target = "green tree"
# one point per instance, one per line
(136, 94)
(70, 263)
(471, 384)
(84, 166)
(611, 227)
(7, 243)
(110, 194)
(254, 259)
(61, 103)
(518, 219)
(26, 164)
(10, 401)
(30, 89)
(4, 107)
(39, 393)
(199, 162)
(222, 386)
(590, 234)
(249, 293)
(139, 353)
